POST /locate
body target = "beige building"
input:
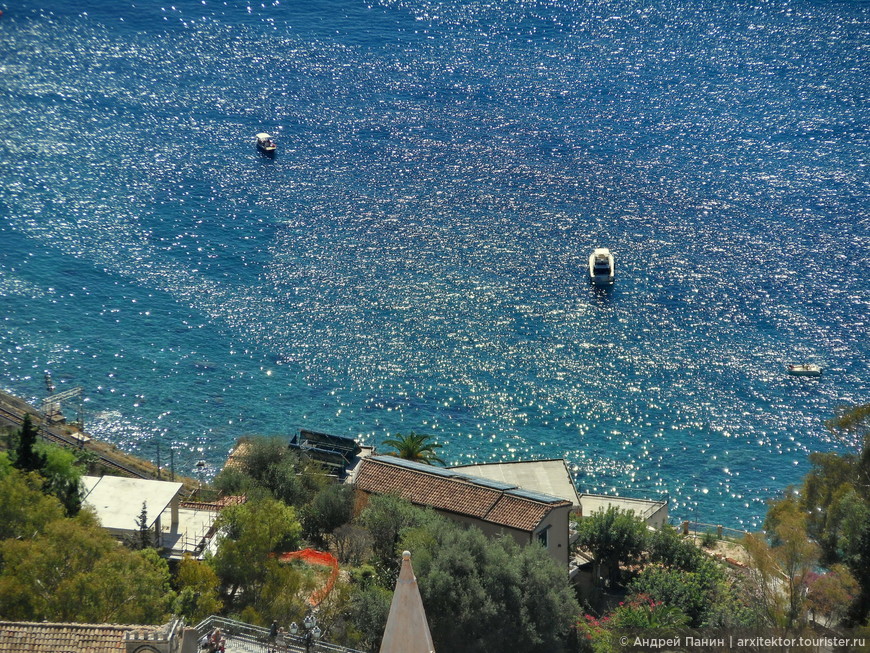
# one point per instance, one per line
(495, 507)
(549, 476)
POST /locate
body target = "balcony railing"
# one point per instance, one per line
(247, 638)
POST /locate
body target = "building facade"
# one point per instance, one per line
(494, 507)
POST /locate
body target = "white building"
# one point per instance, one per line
(117, 502)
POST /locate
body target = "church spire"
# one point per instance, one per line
(407, 630)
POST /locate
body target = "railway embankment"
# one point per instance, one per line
(103, 456)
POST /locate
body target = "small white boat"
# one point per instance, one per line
(601, 267)
(265, 143)
(806, 369)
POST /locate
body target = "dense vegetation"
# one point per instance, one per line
(60, 469)
(480, 594)
(654, 580)
(825, 522)
(811, 565)
(67, 568)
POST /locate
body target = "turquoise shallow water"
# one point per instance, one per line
(413, 257)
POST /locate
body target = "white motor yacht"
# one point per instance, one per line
(806, 369)
(265, 144)
(601, 267)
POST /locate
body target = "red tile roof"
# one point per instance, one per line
(500, 504)
(216, 506)
(519, 513)
(30, 637)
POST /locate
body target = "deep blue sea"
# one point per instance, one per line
(414, 257)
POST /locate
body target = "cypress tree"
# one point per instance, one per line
(27, 458)
(145, 539)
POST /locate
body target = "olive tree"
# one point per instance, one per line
(483, 594)
(614, 538)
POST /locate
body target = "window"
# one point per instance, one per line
(542, 537)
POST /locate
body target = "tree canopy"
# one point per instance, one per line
(330, 508)
(25, 510)
(268, 465)
(832, 506)
(250, 535)
(28, 458)
(614, 538)
(483, 594)
(57, 466)
(63, 476)
(69, 569)
(386, 517)
(197, 586)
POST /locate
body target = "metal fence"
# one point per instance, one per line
(699, 529)
(246, 637)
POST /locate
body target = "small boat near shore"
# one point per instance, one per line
(265, 144)
(602, 269)
(805, 369)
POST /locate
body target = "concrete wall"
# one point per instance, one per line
(490, 530)
(556, 525)
(659, 518)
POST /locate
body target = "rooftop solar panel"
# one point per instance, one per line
(410, 464)
(485, 482)
(507, 488)
(535, 496)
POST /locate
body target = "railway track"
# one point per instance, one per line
(57, 437)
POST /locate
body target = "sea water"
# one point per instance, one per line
(413, 259)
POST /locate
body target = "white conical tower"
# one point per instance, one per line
(407, 630)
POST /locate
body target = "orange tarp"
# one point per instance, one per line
(315, 558)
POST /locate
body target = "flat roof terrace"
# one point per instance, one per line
(653, 511)
(118, 500)
(545, 476)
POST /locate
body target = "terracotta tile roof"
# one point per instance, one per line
(498, 503)
(220, 504)
(30, 637)
(231, 500)
(519, 513)
(237, 454)
(426, 489)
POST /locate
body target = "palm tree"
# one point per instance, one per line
(415, 447)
